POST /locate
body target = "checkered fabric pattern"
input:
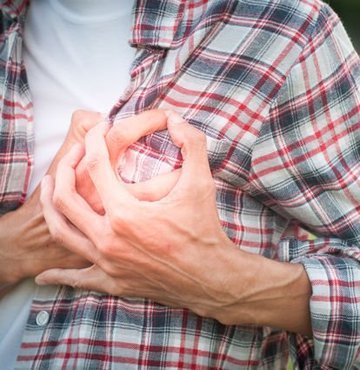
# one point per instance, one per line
(274, 84)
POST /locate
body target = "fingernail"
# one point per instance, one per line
(174, 118)
(40, 281)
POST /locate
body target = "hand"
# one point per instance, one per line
(117, 139)
(81, 122)
(140, 248)
(26, 246)
(171, 250)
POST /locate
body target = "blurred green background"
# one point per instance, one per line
(349, 12)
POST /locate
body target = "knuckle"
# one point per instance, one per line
(117, 216)
(205, 184)
(76, 284)
(118, 137)
(77, 122)
(106, 247)
(116, 288)
(57, 235)
(122, 221)
(111, 269)
(84, 119)
(196, 136)
(117, 223)
(43, 199)
(195, 142)
(59, 203)
(200, 144)
(199, 136)
(213, 190)
(92, 162)
(77, 116)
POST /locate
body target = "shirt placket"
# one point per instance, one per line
(151, 49)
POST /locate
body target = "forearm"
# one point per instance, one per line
(11, 257)
(27, 248)
(267, 293)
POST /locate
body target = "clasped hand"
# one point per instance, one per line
(164, 242)
(26, 246)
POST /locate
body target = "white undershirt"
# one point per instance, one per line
(77, 56)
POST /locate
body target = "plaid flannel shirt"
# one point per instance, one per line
(274, 84)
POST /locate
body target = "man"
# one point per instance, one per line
(274, 86)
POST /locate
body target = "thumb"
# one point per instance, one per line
(156, 188)
(81, 122)
(192, 143)
(91, 278)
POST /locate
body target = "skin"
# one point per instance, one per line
(193, 264)
(29, 248)
(145, 123)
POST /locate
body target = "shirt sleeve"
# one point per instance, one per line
(306, 166)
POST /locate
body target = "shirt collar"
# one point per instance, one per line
(156, 22)
(14, 8)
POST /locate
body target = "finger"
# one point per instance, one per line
(86, 188)
(123, 134)
(69, 202)
(192, 142)
(82, 121)
(111, 189)
(91, 278)
(156, 188)
(64, 233)
(127, 131)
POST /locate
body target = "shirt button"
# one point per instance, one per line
(42, 318)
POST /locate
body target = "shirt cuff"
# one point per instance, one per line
(335, 302)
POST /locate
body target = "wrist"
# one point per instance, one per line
(287, 304)
(11, 272)
(12, 260)
(266, 293)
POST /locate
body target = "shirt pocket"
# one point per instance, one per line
(156, 154)
(229, 162)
